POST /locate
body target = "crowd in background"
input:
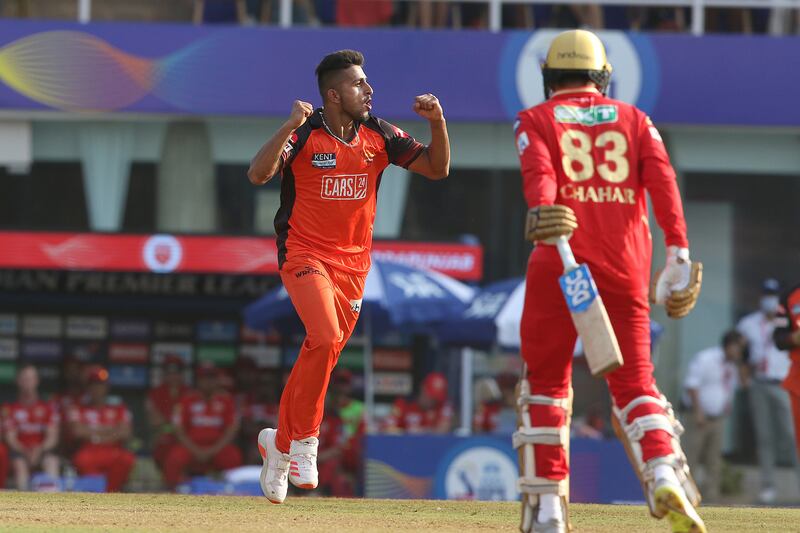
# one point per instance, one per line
(195, 430)
(423, 14)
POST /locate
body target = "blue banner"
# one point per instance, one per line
(479, 76)
(486, 468)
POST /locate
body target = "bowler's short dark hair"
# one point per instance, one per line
(335, 62)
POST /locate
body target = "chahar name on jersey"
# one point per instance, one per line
(599, 195)
(586, 116)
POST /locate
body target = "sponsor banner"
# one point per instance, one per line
(136, 353)
(219, 355)
(174, 330)
(86, 351)
(8, 372)
(485, 468)
(180, 349)
(128, 254)
(388, 359)
(127, 376)
(87, 327)
(502, 71)
(42, 326)
(9, 324)
(253, 335)
(130, 329)
(9, 349)
(264, 355)
(217, 331)
(393, 383)
(352, 357)
(35, 351)
(49, 373)
(157, 376)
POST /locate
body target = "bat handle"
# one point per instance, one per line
(565, 252)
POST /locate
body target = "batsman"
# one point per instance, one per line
(587, 161)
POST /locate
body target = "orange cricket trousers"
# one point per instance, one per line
(110, 460)
(328, 302)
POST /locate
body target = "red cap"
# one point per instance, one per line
(435, 386)
(96, 374)
(207, 369)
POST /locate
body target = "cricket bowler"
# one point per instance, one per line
(330, 161)
(587, 161)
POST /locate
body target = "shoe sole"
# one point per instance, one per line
(681, 514)
(263, 451)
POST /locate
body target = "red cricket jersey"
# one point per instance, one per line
(599, 156)
(204, 421)
(487, 417)
(411, 418)
(106, 416)
(329, 190)
(162, 399)
(29, 422)
(791, 308)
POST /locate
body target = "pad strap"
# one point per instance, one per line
(553, 436)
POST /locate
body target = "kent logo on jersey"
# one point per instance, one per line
(586, 116)
(324, 160)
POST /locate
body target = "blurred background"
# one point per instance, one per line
(132, 241)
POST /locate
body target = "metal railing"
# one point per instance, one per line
(698, 8)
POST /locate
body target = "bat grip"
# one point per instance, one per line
(565, 252)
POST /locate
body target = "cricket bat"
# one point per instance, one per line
(588, 313)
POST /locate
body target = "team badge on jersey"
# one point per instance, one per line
(323, 160)
(522, 142)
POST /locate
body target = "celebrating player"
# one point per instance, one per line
(787, 337)
(586, 163)
(31, 426)
(331, 160)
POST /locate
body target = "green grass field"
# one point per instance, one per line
(172, 513)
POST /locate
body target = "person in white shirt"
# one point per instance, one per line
(770, 404)
(709, 386)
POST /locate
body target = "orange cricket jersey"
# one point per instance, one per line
(329, 190)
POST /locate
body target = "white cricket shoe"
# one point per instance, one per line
(303, 463)
(275, 471)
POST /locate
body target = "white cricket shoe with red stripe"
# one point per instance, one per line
(275, 471)
(303, 463)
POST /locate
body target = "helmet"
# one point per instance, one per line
(576, 52)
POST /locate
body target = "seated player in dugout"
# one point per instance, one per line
(330, 160)
(102, 426)
(206, 424)
(31, 430)
(161, 403)
(587, 163)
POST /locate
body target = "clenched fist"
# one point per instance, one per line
(428, 106)
(300, 112)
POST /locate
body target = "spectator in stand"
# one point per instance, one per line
(260, 411)
(102, 426)
(363, 13)
(710, 383)
(31, 430)
(769, 402)
(161, 403)
(206, 424)
(432, 412)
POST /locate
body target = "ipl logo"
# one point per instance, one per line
(162, 253)
(481, 471)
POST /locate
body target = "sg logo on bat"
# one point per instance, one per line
(579, 289)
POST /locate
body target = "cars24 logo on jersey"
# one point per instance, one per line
(344, 187)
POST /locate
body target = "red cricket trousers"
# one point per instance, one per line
(109, 460)
(328, 302)
(548, 342)
(180, 461)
